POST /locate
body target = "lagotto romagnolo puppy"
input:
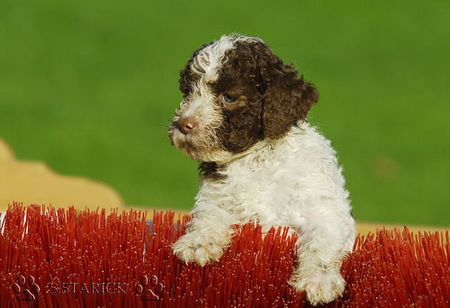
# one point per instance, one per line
(243, 117)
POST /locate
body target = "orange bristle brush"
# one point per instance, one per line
(60, 258)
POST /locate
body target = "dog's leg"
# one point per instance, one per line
(206, 237)
(323, 242)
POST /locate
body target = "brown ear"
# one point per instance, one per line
(287, 97)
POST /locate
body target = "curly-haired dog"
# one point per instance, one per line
(243, 117)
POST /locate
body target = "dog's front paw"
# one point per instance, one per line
(321, 286)
(197, 247)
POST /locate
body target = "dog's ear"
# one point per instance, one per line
(287, 97)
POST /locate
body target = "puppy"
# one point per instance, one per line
(243, 117)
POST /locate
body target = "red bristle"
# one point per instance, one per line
(393, 268)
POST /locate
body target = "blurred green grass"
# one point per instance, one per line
(89, 87)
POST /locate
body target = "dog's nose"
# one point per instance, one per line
(187, 125)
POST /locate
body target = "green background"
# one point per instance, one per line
(89, 87)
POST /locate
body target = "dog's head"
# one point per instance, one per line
(236, 92)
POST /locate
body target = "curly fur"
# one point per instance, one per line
(261, 161)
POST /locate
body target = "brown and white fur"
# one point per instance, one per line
(243, 118)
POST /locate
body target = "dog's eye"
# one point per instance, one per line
(228, 99)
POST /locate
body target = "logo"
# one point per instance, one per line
(26, 289)
(149, 289)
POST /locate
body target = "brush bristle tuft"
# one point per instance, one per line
(72, 255)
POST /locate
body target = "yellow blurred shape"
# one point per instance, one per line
(35, 183)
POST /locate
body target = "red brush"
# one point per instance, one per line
(57, 258)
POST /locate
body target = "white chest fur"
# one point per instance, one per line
(281, 181)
